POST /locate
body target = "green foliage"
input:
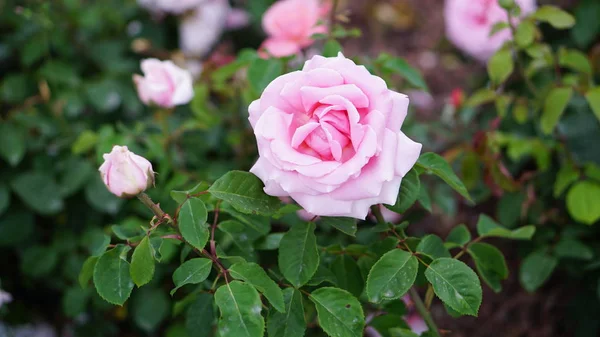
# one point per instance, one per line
(191, 272)
(142, 263)
(339, 313)
(456, 284)
(291, 322)
(392, 275)
(192, 222)
(244, 191)
(500, 66)
(409, 192)
(434, 164)
(111, 275)
(253, 274)
(298, 254)
(240, 308)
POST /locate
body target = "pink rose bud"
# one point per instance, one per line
(329, 137)
(126, 174)
(164, 84)
(290, 25)
(469, 23)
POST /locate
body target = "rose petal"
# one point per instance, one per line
(407, 154)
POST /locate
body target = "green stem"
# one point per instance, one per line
(420, 306)
(145, 199)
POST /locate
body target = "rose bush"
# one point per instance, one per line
(329, 137)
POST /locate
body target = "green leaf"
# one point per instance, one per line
(455, 284)
(409, 192)
(253, 274)
(269, 242)
(181, 196)
(192, 222)
(12, 143)
(298, 254)
(437, 165)
(500, 66)
(490, 264)
(480, 97)
(142, 263)
(536, 269)
(111, 275)
(74, 176)
(392, 276)
(593, 98)
(554, 16)
(525, 33)
(574, 60)
(566, 176)
(412, 75)
(262, 72)
(348, 275)
(487, 227)
(191, 271)
(4, 198)
(343, 224)
(38, 261)
(200, 316)
(39, 191)
(583, 200)
(95, 241)
(74, 301)
(291, 323)
(149, 308)
(573, 248)
(87, 271)
(16, 227)
(424, 198)
(86, 141)
(331, 48)
(400, 332)
(339, 313)
(240, 307)
(244, 191)
(459, 235)
(432, 246)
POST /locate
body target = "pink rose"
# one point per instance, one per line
(329, 137)
(290, 24)
(164, 84)
(126, 174)
(469, 22)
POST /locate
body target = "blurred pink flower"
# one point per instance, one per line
(5, 297)
(416, 323)
(290, 25)
(163, 84)
(199, 31)
(469, 22)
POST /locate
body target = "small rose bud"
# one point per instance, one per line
(164, 84)
(126, 174)
(457, 98)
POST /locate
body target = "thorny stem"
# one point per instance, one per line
(213, 246)
(155, 208)
(416, 298)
